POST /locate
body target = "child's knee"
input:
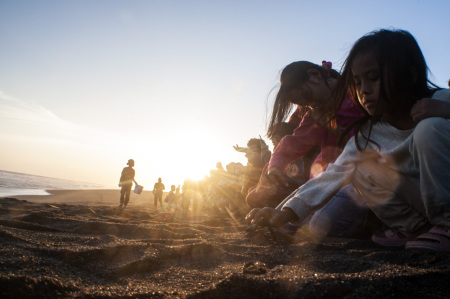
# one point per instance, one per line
(319, 225)
(429, 132)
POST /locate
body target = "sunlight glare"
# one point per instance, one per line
(183, 156)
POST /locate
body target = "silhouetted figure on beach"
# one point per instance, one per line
(126, 182)
(158, 191)
(178, 191)
(186, 195)
(257, 154)
(171, 198)
(216, 195)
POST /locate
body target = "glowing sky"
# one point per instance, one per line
(86, 85)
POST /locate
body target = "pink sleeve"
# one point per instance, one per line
(348, 113)
(295, 146)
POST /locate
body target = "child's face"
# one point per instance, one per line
(313, 93)
(366, 77)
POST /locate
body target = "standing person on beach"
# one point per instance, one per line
(126, 182)
(158, 191)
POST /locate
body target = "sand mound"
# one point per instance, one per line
(63, 250)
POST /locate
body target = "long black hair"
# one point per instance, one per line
(403, 73)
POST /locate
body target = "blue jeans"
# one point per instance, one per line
(344, 216)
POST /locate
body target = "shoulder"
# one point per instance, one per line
(442, 95)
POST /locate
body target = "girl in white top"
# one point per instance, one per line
(399, 161)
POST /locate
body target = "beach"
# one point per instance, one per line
(78, 243)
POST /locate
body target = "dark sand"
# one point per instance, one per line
(79, 244)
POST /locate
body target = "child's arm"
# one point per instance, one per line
(427, 107)
(240, 149)
(317, 191)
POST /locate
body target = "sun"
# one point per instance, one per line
(180, 157)
(197, 155)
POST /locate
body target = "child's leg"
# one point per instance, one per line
(345, 215)
(394, 198)
(127, 196)
(122, 196)
(430, 149)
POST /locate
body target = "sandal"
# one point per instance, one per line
(437, 239)
(392, 238)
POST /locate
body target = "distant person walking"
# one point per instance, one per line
(158, 191)
(126, 182)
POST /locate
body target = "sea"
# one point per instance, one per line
(14, 183)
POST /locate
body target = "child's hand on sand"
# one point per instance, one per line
(272, 216)
(427, 107)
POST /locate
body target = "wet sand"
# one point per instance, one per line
(79, 244)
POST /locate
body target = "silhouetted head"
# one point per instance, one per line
(159, 180)
(130, 162)
(255, 144)
(172, 188)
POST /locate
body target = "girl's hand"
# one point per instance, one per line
(427, 107)
(277, 176)
(272, 216)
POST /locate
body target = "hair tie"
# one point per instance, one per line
(326, 65)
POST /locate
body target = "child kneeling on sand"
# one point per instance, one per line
(399, 159)
(171, 199)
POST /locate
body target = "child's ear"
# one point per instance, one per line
(314, 75)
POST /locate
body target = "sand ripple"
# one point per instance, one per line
(62, 250)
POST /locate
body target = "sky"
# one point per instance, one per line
(86, 85)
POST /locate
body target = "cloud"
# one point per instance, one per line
(12, 109)
(30, 121)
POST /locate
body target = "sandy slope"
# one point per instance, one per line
(79, 244)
